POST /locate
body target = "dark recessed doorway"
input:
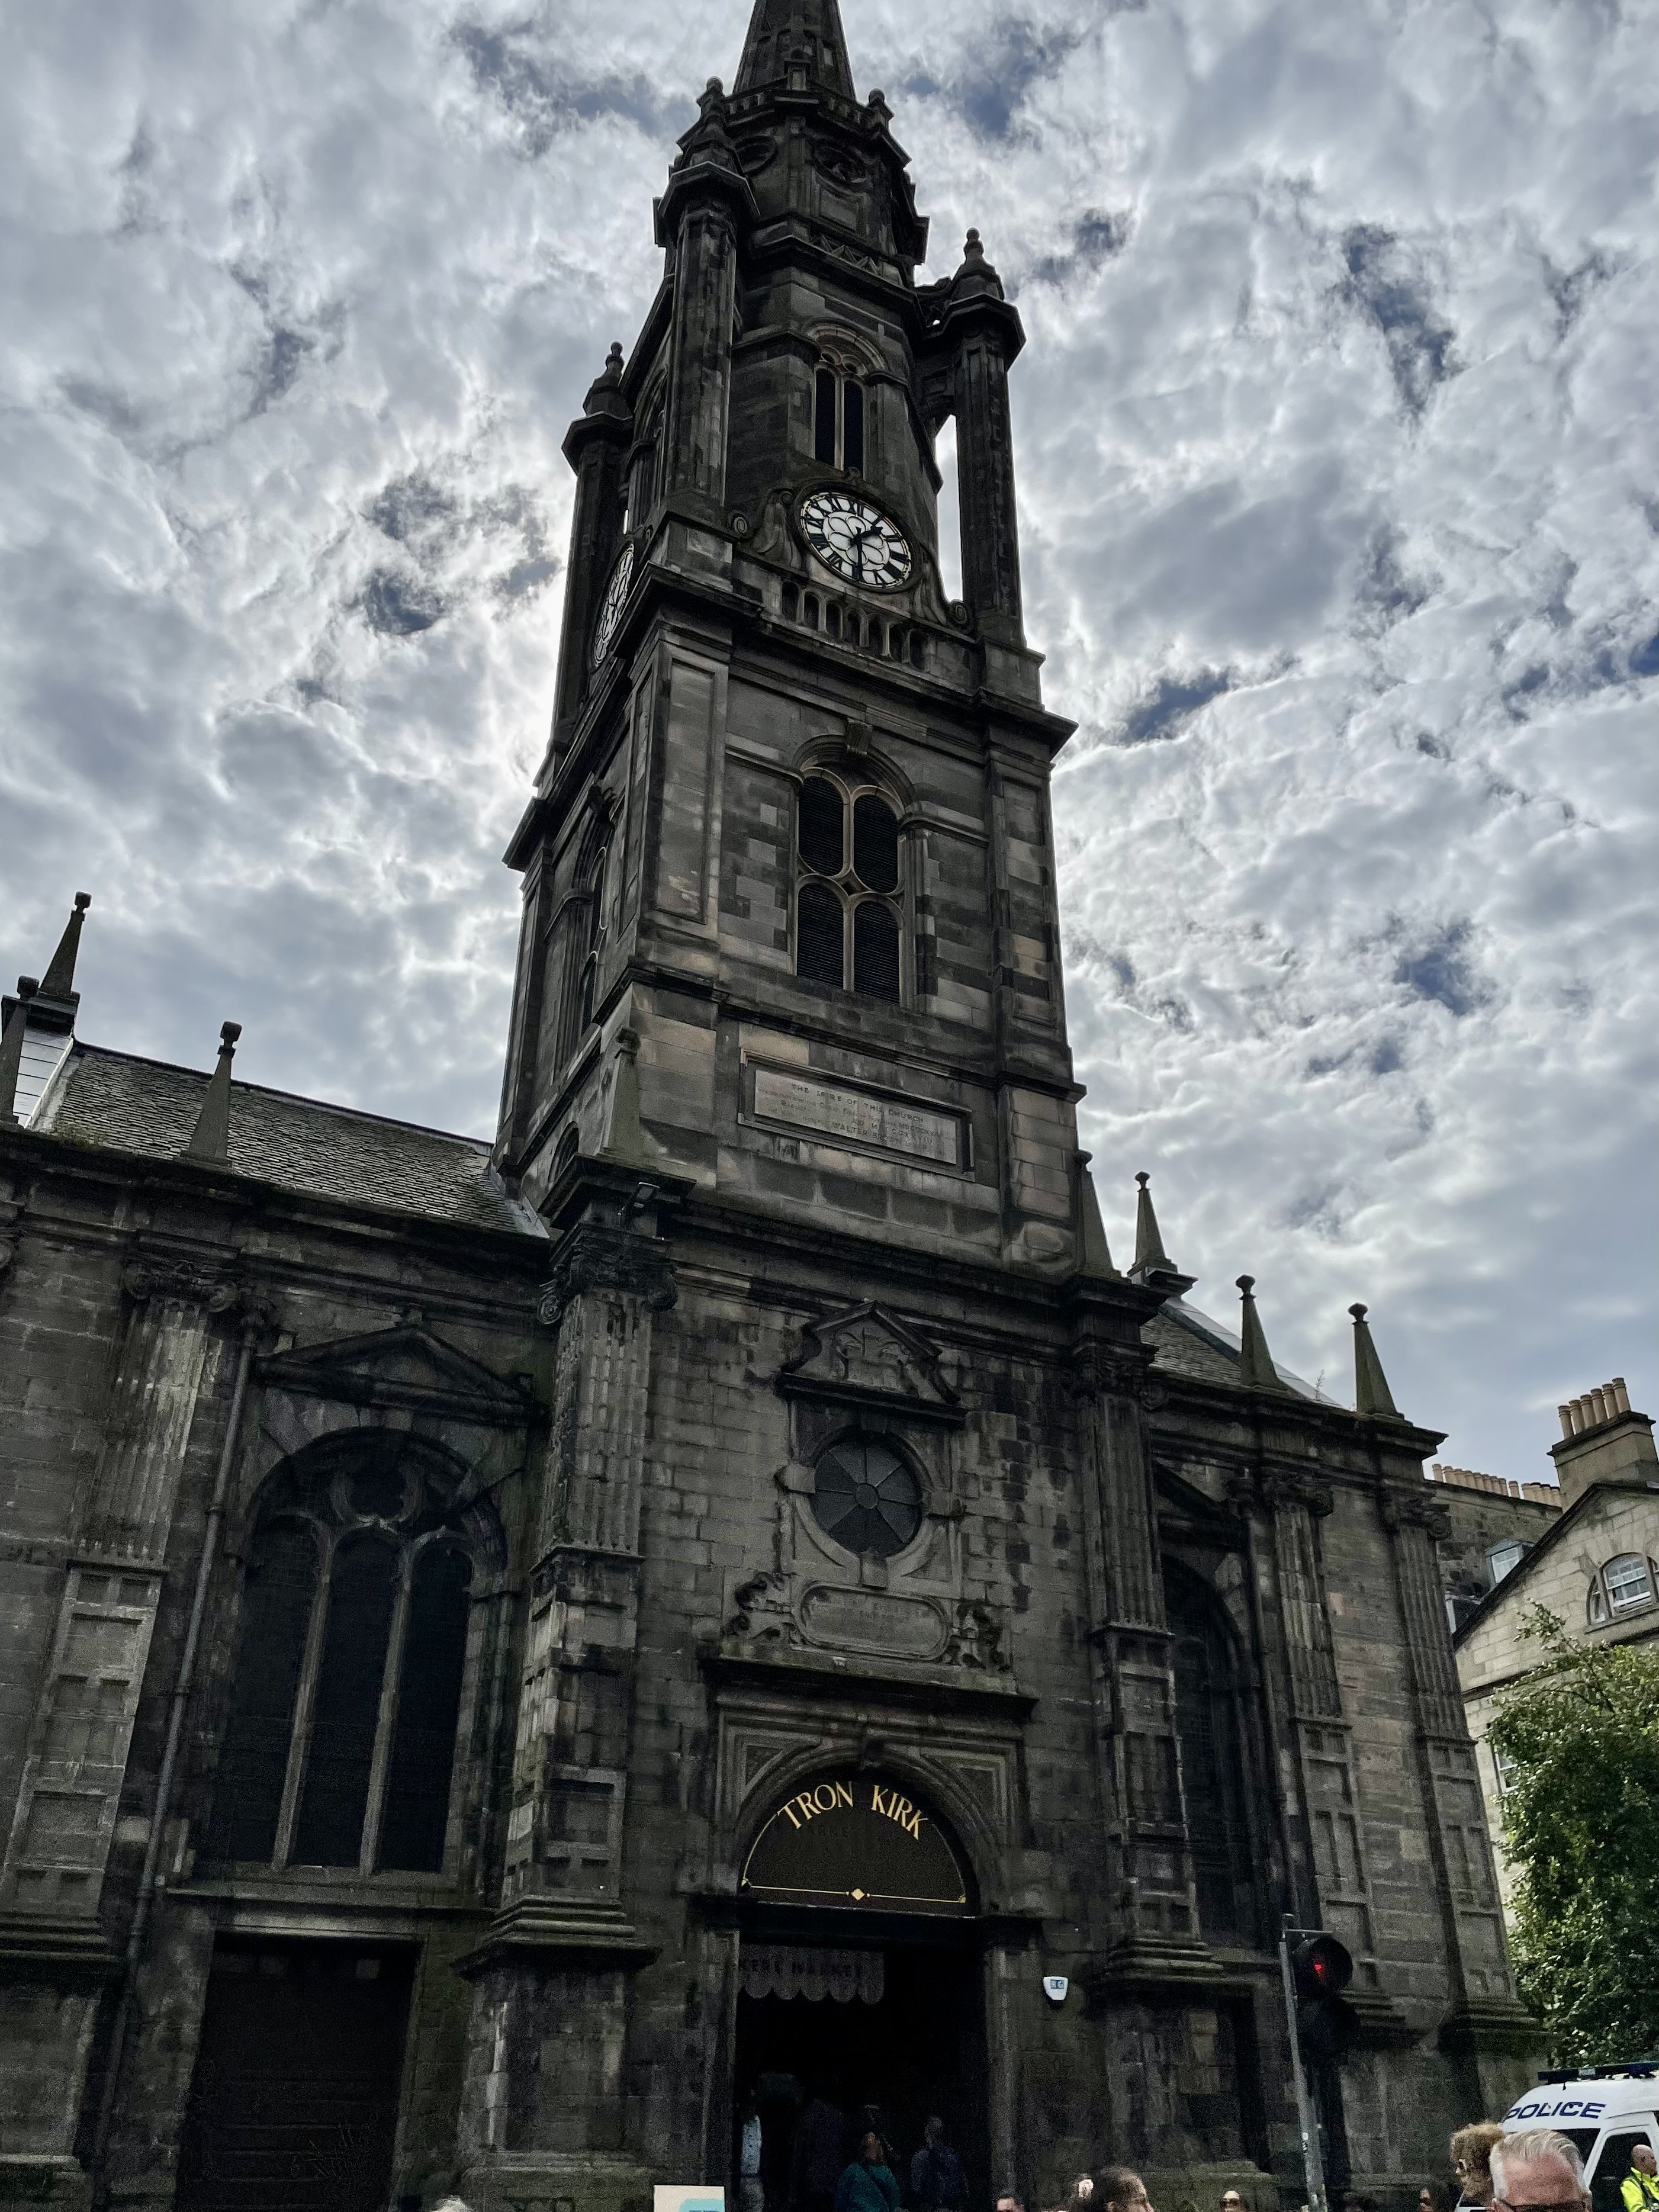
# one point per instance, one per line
(917, 2049)
(294, 2105)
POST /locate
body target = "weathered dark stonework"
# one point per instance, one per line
(1154, 1631)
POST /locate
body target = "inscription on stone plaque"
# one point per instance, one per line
(868, 1620)
(827, 1108)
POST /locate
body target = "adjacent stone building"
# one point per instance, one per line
(1594, 1566)
(732, 1590)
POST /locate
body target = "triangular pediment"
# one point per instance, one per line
(869, 1354)
(406, 1367)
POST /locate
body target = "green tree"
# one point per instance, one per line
(1579, 1740)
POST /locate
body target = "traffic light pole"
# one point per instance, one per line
(1313, 2164)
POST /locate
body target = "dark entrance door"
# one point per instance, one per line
(920, 2049)
(293, 2105)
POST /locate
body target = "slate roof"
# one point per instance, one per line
(125, 1104)
(1187, 1342)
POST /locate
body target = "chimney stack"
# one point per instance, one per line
(1602, 1440)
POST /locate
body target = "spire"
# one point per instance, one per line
(58, 981)
(1256, 1370)
(1372, 1394)
(211, 1142)
(11, 1050)
(1149, 1244)
(1096, 1257)
(1152, 1264)
(798, 44)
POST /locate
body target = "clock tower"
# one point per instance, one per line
(789, 855)
(880, 1510)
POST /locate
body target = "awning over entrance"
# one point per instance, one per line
(858, 1841)
(791, 1970)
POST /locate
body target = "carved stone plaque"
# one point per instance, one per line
(805, 1104)
(873, 1621)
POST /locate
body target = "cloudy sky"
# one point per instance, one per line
(1340, 505)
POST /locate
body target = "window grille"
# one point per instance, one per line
(876, 952)
(838, 420)
(857, 874)
(866, 1497)
(345, 1700)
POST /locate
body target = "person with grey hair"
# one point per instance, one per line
(453, 2204)
(1538, 2171)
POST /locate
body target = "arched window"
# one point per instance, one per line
(346, 1697)
(847, 845)
(1624, 1585)
(1207, 1728)
(578, 933)
(866, 1497)
(838, 418)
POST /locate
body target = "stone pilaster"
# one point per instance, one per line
(1336, 1872)
(1154, 1936)
(55, 1953)
(596, 446)
(66, 1814)
(558, 1963)
(1485, 2017)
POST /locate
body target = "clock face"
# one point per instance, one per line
(857, 540)
(610, 606)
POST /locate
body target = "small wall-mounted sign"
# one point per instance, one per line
(699, 2198)
(1055, 1987)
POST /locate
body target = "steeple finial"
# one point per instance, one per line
(58, 981)
(1372, 1394)
(1256, 1370)
(11, 1051)
(1152, 1264)
(798, 44)
(1149, 1244)
(211, 1142)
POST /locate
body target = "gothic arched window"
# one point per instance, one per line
(849, 916)
(1213, 1770)
(340, 1742)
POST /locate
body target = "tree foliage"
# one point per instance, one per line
(1580, 1742)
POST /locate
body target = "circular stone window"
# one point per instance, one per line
(867, 1498)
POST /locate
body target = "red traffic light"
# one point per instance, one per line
(1322, 1966)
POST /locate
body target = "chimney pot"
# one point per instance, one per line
(1621, 1393)
(1566, 1412)
(1598, 1405)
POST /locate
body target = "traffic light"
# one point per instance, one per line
(1326, 2023)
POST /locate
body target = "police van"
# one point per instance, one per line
(1605, 2114)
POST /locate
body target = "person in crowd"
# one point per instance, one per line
(937, 2184)
(869, 2184)
(1537, 2170)
(819, 2152)
(1428, 2198)
(1231, 2200)
(1009, 2200)
(1640, 2186)
(1120, 2189)
(1471, 2154)
(751, 2189)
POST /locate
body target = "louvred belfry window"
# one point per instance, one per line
(339, 1744)
(849, 916)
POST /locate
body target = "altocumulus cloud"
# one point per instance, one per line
(1341, 494)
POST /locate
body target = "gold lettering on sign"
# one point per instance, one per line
(827, 1797)
(895, 1808)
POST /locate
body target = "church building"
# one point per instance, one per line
(517, 1655)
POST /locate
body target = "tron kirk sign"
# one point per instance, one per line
(858, 1841)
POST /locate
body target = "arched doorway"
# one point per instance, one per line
(860, 1993)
